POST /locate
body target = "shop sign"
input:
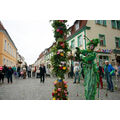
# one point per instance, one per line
(104, 50)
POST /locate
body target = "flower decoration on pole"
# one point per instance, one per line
(59, 60)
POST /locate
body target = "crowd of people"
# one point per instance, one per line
(75, 72)
(6, 72)
(22, 72)
(107, 72)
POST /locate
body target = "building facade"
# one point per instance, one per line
(8, 50)
(108, 31)
(20, 60)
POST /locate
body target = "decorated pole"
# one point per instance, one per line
(59, 60)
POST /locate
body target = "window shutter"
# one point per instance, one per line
(104, 42)
(118, 24)
(119, 43)
(113, 22)
(104, 22)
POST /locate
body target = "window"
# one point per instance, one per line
(3, 61)
(101, 22)
(104, 22)
(117, 42)
(118, 24)
(80, 40)
(115, 24)
(77, 25)
(8, 49)
(12, 51)
(102, 60)
(73, 44)
(5, 45)
(102, 40)
(7, 62)
(97, 21)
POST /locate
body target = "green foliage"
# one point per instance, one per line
(59, 59)
(60, 29)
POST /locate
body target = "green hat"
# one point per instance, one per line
(94, 42)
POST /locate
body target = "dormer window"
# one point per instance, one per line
(77, 25)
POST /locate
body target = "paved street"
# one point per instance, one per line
(32, 89)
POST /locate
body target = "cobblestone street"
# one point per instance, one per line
(32, 89)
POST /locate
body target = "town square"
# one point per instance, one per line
(59, 59)
(82, 63)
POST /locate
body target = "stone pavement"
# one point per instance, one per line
(32, 89)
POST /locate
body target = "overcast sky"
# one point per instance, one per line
(31, 37)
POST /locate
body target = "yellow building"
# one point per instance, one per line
(8, 49)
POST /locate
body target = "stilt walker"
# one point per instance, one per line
(90, 68)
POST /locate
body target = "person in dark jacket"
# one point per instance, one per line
(109, 71)
(101, 73)
(9, 74)
(72, 71)
(1, 74)
(18, 71)
(42, 73)
(5, 70)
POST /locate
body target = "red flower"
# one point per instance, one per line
(61, 43)
(61, 68)
(61, 20)
(52, 94)
(61, 32)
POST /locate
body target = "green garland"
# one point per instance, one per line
(59, 59)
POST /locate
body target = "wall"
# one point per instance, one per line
(109, 33)
(12, 60)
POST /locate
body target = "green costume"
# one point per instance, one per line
(90, 68)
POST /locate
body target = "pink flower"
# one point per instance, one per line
(55, 83)
(65, 94)
(58, 94)
(65, 82)
(65, 91)
(59, 89)
(58, 52)
(58, 99)
(58, 30)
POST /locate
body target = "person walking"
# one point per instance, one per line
(24, 72)
(29, 72)
(18, 71)
(101, 73)
(109, 70)
(42, 73)
(72, 71)
(14, 71)
(9, 74)
(1, 74)
(76, 72)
